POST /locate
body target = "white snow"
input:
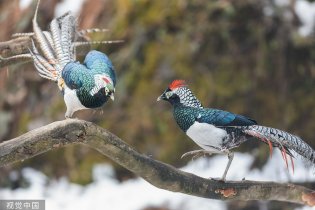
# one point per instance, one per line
(282, 3)
(69, 5)
(105, 192)
(304, 9)
(24, 4)
(274, 170)
(306, 12)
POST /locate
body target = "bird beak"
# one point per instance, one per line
(161, 97)
(112, 97)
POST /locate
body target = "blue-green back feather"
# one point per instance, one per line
(223, 118)
(76, 75)
(186, 116)
(81, 77)
(99, 63)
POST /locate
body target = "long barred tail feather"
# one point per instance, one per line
(41, 39)
(286, 142)
(67, 37)
(93, 30)
(283, 149)
(55, 32)
(55, 48)
(77, 43)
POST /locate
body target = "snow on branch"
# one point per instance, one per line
(161, 175)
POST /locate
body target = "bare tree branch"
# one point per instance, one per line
(20, 45)
(161, 175)
(13, 47)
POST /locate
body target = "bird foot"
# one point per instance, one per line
(218, 179)
(2, 58)
(196, 153)
(71, 118)
(226, 151)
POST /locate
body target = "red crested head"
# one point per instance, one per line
(176, 84)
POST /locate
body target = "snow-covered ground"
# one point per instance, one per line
(105, 192)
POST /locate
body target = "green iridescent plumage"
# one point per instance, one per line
(186, 116)
(94, 81)
(219, 131)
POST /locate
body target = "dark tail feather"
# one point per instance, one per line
(284, 141)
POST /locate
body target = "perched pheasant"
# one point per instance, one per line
(89, 85)
(217, 131)
(84, 86)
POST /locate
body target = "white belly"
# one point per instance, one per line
(72, 102)
(206, 136)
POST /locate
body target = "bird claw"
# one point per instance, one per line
(226, 151)
(71, 118)
(217, 179)
(196, 153)
(185, 155)
(2, 58)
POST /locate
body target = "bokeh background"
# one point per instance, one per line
(252, 57)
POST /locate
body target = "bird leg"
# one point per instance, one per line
(196, 153)
(201, 152)
(230, 157)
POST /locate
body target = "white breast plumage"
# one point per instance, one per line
(207, 136)
(72, 102)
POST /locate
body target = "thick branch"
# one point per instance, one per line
(161, 175)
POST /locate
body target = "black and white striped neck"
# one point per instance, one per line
(187, 98)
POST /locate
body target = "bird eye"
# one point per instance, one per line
(168, 94)
(106, 90)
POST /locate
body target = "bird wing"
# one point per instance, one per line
(74, 74)
(99, 63)
(223, 118)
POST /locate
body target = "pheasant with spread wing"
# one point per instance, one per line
(84, 86)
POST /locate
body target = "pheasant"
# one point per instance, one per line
(217, 131)
(84, 86)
